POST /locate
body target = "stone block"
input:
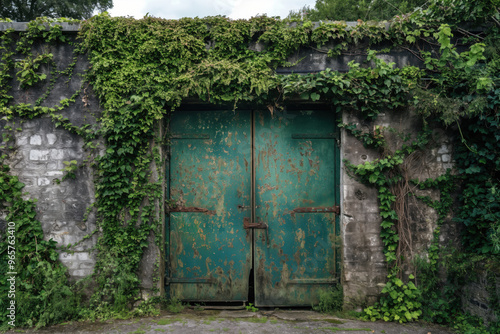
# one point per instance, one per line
(360, 208)
(43, 181)
(67, 256)
(30, 124)
(80, 272)
(354, 294)
(83, 256)
(361, 241)
(360, 192)
(56, 154)
(38, 155)
(446, 158)
(52, 165)
(70, 264)
(378, 278)
(36, 140)
(378, 258)
(28, 181)
(50, 205)
(86, 265)
(51, 138)
(443, 149)
(21, 140)
(66, 139)
(55, 173)
(447, 166)
(357, 276)
(362, 223)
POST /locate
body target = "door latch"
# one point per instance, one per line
(247, 224)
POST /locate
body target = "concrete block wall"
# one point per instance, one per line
(476, 297)
(40, 150)
(364, 266)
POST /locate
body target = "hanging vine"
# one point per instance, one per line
(142, 69)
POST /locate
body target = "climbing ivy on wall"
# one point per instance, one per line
(42, 293)
(141, 70)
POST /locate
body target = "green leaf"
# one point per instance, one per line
(315, 96)
(473, 170)
(304, 96)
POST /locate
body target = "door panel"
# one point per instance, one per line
(295, 184)
(284, 166)
(209, 250)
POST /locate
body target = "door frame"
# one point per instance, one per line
(203, 106)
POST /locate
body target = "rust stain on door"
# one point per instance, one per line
(253, 190)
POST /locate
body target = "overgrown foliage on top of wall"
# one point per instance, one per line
(141, 70)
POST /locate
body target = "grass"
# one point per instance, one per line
(332, 321)
(336, 329)
(175, 306)
(198, 307)
(163, 322)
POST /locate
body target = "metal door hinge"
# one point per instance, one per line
(331, 209)
(191, 209)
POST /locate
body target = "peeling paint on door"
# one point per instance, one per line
(213, 183)
(253, 190)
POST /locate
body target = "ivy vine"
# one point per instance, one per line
(141, 70)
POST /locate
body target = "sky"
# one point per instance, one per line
(235, 9)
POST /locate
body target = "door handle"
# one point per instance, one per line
(247, 224)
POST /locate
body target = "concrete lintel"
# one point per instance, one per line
(23, 26)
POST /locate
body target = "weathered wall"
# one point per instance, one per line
(365, 269)
(38, 155)
(40, 150)
(65, 208)
(476, 295)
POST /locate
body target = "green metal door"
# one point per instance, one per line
(210, 253)
(297, 197)
(251, 190)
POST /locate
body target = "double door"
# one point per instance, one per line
(253, 206)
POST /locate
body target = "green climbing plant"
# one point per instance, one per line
(141, 70)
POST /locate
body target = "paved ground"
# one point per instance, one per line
(244, 322)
